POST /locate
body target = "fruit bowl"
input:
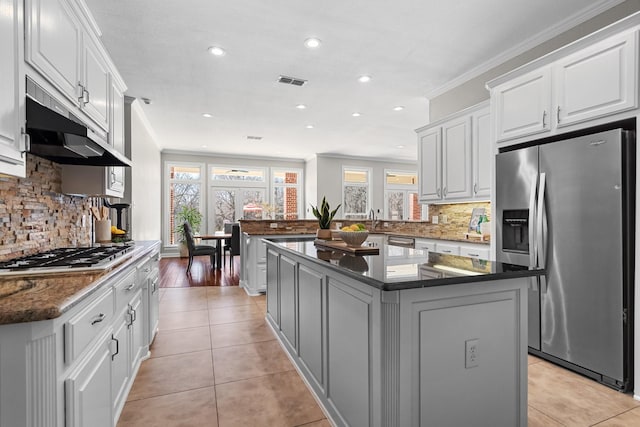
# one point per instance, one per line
(354, 238)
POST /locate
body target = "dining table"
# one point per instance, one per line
(219, 238)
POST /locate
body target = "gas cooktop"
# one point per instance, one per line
(66, 259)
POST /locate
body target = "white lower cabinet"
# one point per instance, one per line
(472, 250)
(88, 388)
(76, 370)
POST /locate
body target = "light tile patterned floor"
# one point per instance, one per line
(215, 362)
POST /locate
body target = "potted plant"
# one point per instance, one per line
(324, 214)
(193, 217)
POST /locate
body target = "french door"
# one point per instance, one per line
(231, 204)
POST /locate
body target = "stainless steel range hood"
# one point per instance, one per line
(61, 139)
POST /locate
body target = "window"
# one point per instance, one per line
(286, 193)
(184, 189)
(401, 196)
(236, 192)
(355, 192)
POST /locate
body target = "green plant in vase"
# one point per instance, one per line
(324, 214)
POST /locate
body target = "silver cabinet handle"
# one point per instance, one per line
(544, 118)
(135, 314)
(99, 318)
(117, 347)
(148, 269)
(438, 191)
(85, 97)
(470, 254)
(446, 251)
(475, 188)
(558, 114)
(113, 177)
(445, 191)
(27, 140)
(130, 287)
(81, 91)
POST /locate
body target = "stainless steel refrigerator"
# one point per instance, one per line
(568, 206)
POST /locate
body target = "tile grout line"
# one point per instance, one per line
(613, 416)
(546, 415)
(168, 394)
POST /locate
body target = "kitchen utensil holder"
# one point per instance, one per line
(103, 230)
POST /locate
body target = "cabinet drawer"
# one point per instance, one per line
(82, 328)
(125, 289)
(447, 249)
(425, 244)
(473, 252)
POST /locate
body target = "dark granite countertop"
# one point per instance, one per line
(397, 268)
(34, 297)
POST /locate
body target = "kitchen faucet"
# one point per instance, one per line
(374, 220)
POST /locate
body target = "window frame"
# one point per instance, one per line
(369, 172)
(299, 186)
(406, 189)
(167, 181)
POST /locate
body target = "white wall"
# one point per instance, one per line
(329, 178)
(145, 175)
(310, 186)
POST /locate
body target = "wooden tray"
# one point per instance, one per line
(338, 245)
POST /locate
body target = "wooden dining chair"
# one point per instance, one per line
(197, 250)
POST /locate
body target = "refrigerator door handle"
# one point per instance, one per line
(541, 231)
(533, 261)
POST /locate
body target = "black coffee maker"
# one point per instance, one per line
(119, 207)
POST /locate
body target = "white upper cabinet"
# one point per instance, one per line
(482, 154)
(587, 83)
(96, 84)
(597, 81)
(456, 158)
(53, 44)
(61, 45)
(523, 106)
(116, 120)
(430, 171)
(12, 89)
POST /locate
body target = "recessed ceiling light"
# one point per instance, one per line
(312, 42)
(217, 51)
(399, 146)
(146, 101)
(356, 114)
(203, 146)
(398, 108)
(301, 106)
(207, 115)
(309, 126)
(364, 79)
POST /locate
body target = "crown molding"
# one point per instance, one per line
(231, 156)
(546, 35)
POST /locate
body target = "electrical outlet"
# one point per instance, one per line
(338, 225)
(386, 224)
(273, 225)
(434, 219)
(471, 359)
(444, 219)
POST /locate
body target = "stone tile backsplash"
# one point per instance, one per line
(458, 216)
(35, 216)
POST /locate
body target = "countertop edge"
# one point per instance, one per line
(384, 286)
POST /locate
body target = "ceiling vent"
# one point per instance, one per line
(254, 138)
(291, 81)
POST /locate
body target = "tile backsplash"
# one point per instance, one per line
(35, 216)
(457, 215)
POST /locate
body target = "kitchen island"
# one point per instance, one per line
(405, 337)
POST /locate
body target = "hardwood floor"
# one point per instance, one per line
(215, 362)
(172, 273)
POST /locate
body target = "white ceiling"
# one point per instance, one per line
(409, 47)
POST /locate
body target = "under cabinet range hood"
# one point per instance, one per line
(63, 138)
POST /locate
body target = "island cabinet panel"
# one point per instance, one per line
(272, 287)
(349, 348)
(438, 333)
(288, 299)
(311, 291)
